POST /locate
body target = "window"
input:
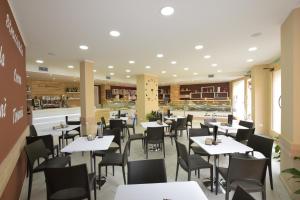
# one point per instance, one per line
(238, 99)
(276, 101)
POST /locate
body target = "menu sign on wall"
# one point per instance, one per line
(12, 81)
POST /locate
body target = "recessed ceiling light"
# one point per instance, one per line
(195, 73)
(173, 62)
(94, 70)
(160, 55)
(71, 67)
(207, 56)
(83, 47)
(219, 71)
(127, 70)
(39, 61)
(214, 64)
(252, 49)
(112, 73)
(198, 47)
(148, 67)
(163, 72)
(167, 11)
(249, 60)
(174, 75)
(127, 76)
(186, 68)
(110, 67)
(114, 33)
(27, 76)
(131, 61)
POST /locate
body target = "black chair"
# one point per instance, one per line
(230, 119)
(207, 121)
(172, 133)
(207, 127)
(103, 122)
(246, 172)
(116, 144)
(48, 141)
(155, 136)
(189, 121)
(242, 135)
(117, 124)
(263, 145)
(191, 163)
(135, 136)
(70, 183)
(181, 126)
(241, 194)
(128, 126)
(196, 132)
(68, 122)
(147, 171)
(246, 124)
(115, 159)
(69, 135)
(33, 132)
(37, 150)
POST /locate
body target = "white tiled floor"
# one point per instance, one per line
(107, 192)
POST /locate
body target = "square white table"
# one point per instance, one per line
(227, 146)
(159, 191)
(232, 129)
(82, 144)
(145, 125)
(121, 118)
(173, 117)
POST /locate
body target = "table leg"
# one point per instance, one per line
(91, 162)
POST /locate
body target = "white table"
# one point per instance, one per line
(227, 146)
(159, 191)
(121, 118)
(82, 144)
(232, 129)
(145, 125)
(173, 117)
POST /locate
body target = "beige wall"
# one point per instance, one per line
(147, 95)
(290, 71)
(261, 98)
(175, 92)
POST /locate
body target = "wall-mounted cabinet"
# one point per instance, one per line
(121, 93)
(205, 91)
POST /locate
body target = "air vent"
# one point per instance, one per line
(108, 77)
(43, 69)
(211, 75)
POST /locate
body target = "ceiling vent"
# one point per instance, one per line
(211, 75)
(43, 69)
(108, 77)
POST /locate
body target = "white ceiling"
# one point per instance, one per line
(223, 27)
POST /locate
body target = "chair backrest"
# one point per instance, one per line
(207, 121)
(246, 169)
(103, 121)
(241, 194)
(66, 178)
(194, 132)
(203, 126)
(155, 134)
(181, 123)
(47, 139)
(36, 150)
(182, 153)
(230, 119)
(125, 153)
(71, 122)
(33, 132)
(189, 118)
(261, 144)
(116, 124)
(116, 133)
(246, 124)
(243, 134)
(147, 171)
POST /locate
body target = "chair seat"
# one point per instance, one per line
(57, 162)
(130, 126)
(196, 162)
(111, 159)
(137, 136)
(102, 153)
(69, 135)
(199, 150)
(249, 186)
(69, 194)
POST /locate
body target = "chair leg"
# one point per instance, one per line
(263, 193)
(198, 173)
(95, 191)
(95, 163)
(99, 166)
(106, 171)
(212, 179)
(123, 170)
(146, 151)
(133, 130)
(163, 145)
(177, 168)
(208, 158)
(113, 170)
(29, 185)
(189, 175)
(270, 174)
(129, 147)
(217, 181)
